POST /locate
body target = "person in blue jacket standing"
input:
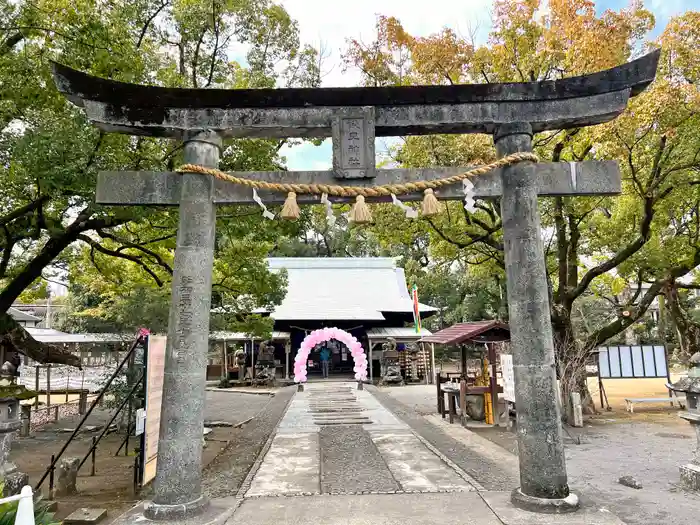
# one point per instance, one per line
(325, 361)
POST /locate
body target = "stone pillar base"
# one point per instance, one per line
(544, 505)
(158, 512)
(690, 476)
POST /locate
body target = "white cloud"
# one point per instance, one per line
(333, 23)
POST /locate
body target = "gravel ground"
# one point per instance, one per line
(233, 407)
(351, 463)
(483, 469)
(649, 445)
(652, 454)
(225, 475)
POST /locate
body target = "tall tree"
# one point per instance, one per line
(50, 154)
(656, 142)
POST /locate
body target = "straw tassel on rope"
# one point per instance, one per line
(431, 206)
(290, 210)
(360, 213)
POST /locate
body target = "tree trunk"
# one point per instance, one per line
(14, 338)
(687, 330)
(571, 359)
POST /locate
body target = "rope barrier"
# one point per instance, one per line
(337, 190)
(360, 213)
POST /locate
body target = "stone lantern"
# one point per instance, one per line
(10, 396)
(690, 472)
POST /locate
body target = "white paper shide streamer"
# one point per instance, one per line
(266, 213)
(469, 202)
(330, 217)
(411, 213)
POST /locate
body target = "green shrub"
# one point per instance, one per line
(42, 516)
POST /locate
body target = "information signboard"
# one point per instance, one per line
(508, 377)
(154, 396)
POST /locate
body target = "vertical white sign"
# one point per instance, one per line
(508, 377)
(154, 398)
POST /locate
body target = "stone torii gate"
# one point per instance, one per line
(353, 117)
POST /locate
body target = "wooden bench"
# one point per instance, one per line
(630, 401)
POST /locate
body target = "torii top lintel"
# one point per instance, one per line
(404, 110)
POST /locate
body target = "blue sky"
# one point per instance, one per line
(330, 24)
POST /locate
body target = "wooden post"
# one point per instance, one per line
(371, 374)
(224, 365)
(37, 372)
(439, 397)
(48, 385)
(463, 400)
(92, 455)
(493, 382)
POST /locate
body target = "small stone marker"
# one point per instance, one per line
(576, 410)
(67, 477)
(83, 516)
(630, 481)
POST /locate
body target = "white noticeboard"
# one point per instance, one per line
(508, 377)
(140, 422)
(154, 398)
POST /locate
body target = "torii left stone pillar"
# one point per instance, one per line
(178, 483)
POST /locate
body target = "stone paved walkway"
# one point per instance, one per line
(339, 456)
(335, 439)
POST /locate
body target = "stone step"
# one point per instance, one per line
(85, 516)
(343, 422)
(336, 411)
(341, 418)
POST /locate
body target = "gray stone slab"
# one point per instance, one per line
(500, 504)
(486, 470)
(291, 466)
(85, 516)
(350, 462)
(464, 508)
(163, 188)
(414, 466)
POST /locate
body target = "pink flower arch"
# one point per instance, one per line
(321, 336)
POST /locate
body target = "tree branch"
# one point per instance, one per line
(113, 253)
(127, 244)
(151, 18)
(14, 338)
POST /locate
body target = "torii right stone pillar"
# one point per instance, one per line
(543, 481)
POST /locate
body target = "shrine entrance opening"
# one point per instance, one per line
(325, 339)
(336, 354)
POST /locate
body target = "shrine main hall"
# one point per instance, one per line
(366, 296)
